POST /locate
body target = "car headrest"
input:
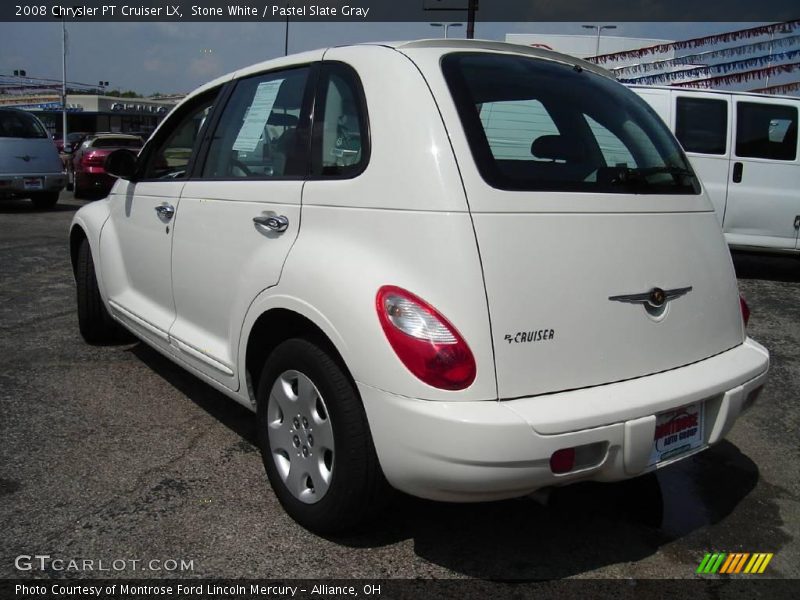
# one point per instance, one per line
(555, 147)
(282, 120)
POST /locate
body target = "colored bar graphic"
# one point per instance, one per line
(755, 562)
(727, 564)
(740, 563)
(703, 563)
(734, 563)
(715, 567)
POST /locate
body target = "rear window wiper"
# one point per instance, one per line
(639, 175)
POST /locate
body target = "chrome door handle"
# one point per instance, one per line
(165, 211)
(275, 223)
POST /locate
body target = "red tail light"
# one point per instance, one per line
(91, 159)
(745, 310)
(424, 341)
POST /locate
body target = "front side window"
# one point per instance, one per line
(17, 124)
(537, 125)
(701, 125)
(766, 131)
(173, 148)
(259, 134)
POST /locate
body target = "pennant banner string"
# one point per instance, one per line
(721, 68)
(739, 77)
(721, 38)
(702, 57)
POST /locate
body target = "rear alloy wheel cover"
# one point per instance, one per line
(300, 436)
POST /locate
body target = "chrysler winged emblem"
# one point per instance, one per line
(655, 300)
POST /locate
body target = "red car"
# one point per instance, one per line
(88, 174)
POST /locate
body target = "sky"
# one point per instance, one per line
(178, 57)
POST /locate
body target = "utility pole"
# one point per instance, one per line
(471, 8)
(64, 82)
(599, 29)
(286, 37)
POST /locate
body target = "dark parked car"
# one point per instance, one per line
(87, 172)
(74, 140)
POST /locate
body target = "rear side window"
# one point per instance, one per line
(259, 134)
(537, 125)
(701, 125)
(341, 132)
(766, 131)
(17, 124)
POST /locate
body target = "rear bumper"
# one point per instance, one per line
(14, 185)
(475, 451)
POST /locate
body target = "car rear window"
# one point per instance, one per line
(537, 125)
(15, 124)
(117, 143)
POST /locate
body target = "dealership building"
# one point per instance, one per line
(92, 113)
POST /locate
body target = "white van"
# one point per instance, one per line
(434, 279)
(744, 147)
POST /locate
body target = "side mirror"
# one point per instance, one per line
(121, 163)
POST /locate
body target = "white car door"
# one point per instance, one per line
(763, 201)
(239, 215)
(136, 243)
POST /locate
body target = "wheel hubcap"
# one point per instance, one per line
(300, 436)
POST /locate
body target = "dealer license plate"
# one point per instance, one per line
(33, 183)
(677, 432)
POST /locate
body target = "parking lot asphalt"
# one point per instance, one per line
(112, 452)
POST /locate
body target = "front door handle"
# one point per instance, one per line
(738, 168)
(277, 223)
(165, 211)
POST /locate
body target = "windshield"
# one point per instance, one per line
(537, 125)
(18, 124)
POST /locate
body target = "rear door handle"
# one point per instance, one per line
(277, 223)
(738, 168)
(165, 211)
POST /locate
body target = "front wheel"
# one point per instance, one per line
(315, 440)
(94, 322)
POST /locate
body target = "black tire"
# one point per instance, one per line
(44, 200)
(357, 490)
(95, 324)
(77, 191)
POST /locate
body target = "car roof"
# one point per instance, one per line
(445, 45)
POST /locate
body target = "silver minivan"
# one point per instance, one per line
(29, 163)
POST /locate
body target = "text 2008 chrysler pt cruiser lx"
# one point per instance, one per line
(469, 270)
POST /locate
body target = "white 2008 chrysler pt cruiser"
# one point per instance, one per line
(467, 270)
